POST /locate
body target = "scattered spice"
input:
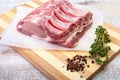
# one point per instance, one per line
(88, 66)
(77, 63)
(81, 76)
(92, 62)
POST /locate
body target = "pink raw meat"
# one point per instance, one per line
(57, 22)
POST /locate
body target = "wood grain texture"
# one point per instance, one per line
(51, 62)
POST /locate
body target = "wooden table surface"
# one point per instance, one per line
(14, 66)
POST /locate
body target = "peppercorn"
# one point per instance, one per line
(77, 63)
(86, 56)
(81, 76)
(92, 62)
(88, 66)
(68, 59)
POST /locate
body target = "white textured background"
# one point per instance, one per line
(15, 67)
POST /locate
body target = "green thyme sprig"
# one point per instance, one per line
(100, 46)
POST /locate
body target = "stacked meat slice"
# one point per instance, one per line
(57, 22)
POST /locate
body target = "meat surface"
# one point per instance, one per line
(58, 22)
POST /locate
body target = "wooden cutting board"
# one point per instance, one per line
(52, 62)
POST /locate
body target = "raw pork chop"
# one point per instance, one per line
(57, 22)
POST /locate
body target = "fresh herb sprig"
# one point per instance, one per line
(100, 46)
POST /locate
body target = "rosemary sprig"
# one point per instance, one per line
(100, 46)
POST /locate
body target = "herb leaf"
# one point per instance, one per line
(100, 46)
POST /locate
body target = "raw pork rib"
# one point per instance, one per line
(57, 22)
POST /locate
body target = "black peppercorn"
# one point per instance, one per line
(92, 62)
